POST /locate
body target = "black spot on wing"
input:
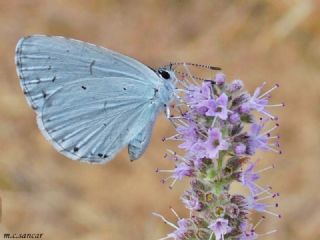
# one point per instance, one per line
(44, 94)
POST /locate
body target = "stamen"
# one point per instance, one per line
(275, 144)
(172, 184)
(172, 122)
(268, 114)
(274, 137)
(182, 90)
(164, 171)
(214, 121)
(272, 205)
(270, 90)
(184, 82)
(177, 156)
(183, 123)
(165, 220)
(266, 190)
(177, 117)
(272, 213)
(211, 235)
(264, 198)
(267, 233)
(263, 192)
(265, 169)
(176, 137)
(165, 238)
(259, 222)
(174, 212)
(273, 150)
(276, 105)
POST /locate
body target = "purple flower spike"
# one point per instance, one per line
(219, 126)
(220, 228)
(215, 143)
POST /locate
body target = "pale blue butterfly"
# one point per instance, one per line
(90, 101)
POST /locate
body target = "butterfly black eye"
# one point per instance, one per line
(164, 74)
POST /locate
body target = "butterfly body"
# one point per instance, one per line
(90, 101)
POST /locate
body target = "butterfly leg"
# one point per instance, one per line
(167, 111)
(169, 116)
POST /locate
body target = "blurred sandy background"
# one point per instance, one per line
(275, 41)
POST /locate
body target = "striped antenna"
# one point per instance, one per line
(192, 64)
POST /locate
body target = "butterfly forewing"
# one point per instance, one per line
(44, 63)
(90, 101)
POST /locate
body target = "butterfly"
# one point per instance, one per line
(90, 101)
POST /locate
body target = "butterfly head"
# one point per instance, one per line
(166, 74)
(169, 79)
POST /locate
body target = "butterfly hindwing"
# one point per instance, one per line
(139, 143)
(89, 126)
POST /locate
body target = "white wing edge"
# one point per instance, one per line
(62, 151)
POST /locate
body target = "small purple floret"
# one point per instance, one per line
(189, 135)
(218, 108)
(220, 227)
(248, 178)
(240, 149)
(236, 85)
(256, 139)
(182, 170)
(215, 143)
(220, 78)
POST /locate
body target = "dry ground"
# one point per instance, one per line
(274, 41)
